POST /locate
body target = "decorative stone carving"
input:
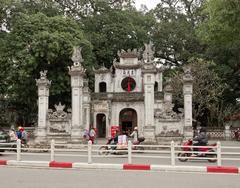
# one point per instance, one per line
(59, 113)
(77, 56)
(57, 128)
(148, 54)
(43, 74)
(43, 79)
(128, 54)
(167, 113)
(168, 86)
(77, 59)
(59, 121)
(187, 74)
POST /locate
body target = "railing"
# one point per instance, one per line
(132, 152)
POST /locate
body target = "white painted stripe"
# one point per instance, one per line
(179, 168)
(97, 166)
(28, 163)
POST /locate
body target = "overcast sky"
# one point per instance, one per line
(150, 3)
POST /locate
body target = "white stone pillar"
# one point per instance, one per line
(149, 126)
(43, 94)
(77, 72)
(187, 92)
(149, 75)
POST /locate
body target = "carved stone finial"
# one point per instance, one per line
(168, 85)
(43, 81)
(77, 56)
(148, 54)
(77, 59)
(43, 74)
(187, 74)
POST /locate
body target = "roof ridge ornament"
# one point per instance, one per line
(128, 54)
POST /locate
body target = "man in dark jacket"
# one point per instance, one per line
(201, 139)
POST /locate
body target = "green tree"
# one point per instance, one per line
(115, 30)
(37, 42)
(174, 32)
(220, 31)
(110, 25)
(207, 92)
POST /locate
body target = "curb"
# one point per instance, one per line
(28, 163)
(55, 164)
(97, 166)
(223, 169)
(146, 167)
(136, 167)
(178, 168)
(3, 162)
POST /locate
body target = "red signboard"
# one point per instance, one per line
(114, 129)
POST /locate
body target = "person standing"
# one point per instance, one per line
(135, 135)
(92, 135)
(19, 133)
(86, 134)
(24, 136)
(12, 135)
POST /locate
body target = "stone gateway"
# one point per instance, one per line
(129, 94)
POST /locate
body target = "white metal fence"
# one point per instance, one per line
(172, 152)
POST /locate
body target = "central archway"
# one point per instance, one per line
(127, 120)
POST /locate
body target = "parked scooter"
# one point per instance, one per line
(186, 152)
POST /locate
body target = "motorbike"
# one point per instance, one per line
(116, 149)
(237, 134)
(24, 146)
(186, 152)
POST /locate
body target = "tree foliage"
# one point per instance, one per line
(207, 92)
(115, 30)
(39, 34)
(37, 42)
(220, 31)
(174, 32)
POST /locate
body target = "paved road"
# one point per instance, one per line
(57, 178)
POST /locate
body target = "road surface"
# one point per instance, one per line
(58, 178)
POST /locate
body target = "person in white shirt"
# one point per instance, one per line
(135, 135)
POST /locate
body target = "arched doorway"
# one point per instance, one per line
(101, 125)
(127, 120)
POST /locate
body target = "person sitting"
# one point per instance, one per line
(114, 140)
(201, 139)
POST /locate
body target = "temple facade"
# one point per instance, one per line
(129, 94)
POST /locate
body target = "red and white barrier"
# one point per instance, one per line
(57, 164)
